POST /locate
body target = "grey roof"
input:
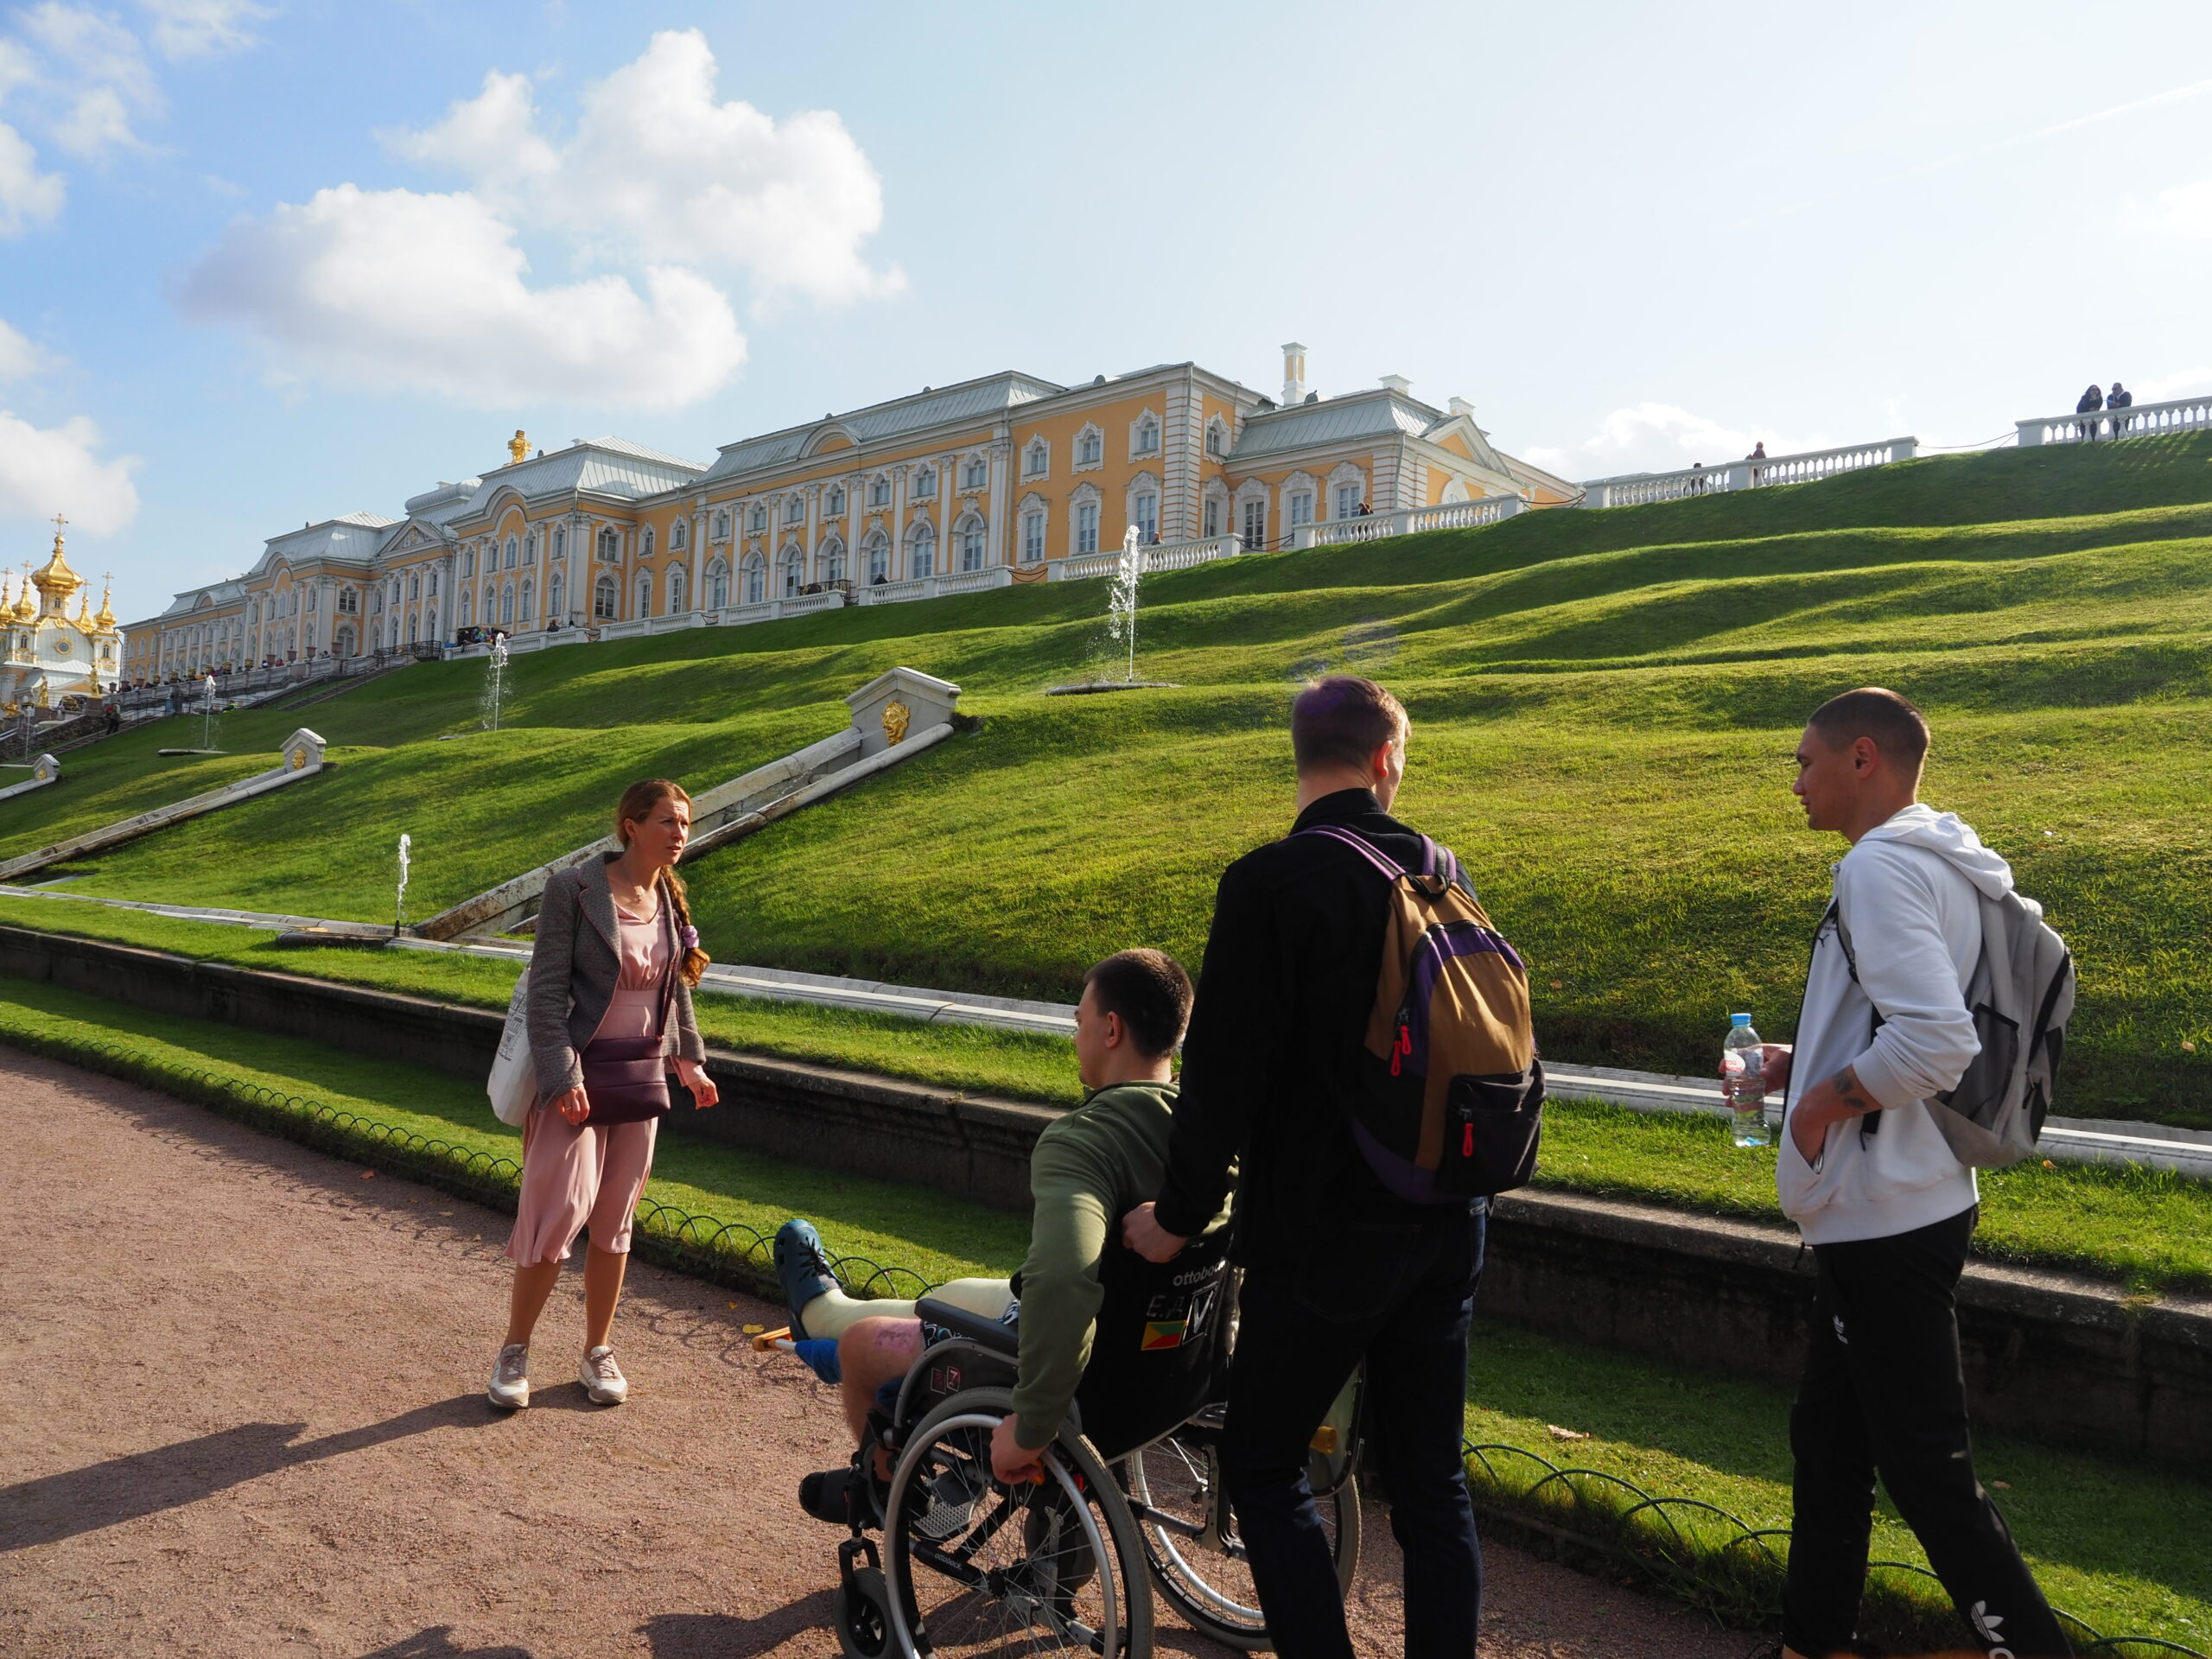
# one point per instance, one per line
(353, 535)
(968, 400)
(1334, 419)
(447, 501)
(599, 466)
(214, 594)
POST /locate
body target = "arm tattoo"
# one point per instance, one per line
(1845, 1084)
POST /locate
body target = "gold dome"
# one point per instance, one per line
(105, 616)
(55, 579)
(25, 607)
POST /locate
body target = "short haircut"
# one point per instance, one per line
(1150, 991)
(1899, 729)
(1342, 720)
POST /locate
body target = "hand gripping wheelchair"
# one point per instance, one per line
(1128, 1496)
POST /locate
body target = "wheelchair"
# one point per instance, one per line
(968, 1564)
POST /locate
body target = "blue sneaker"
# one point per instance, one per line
(802, 1267)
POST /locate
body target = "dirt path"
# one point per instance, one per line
(243, 1417)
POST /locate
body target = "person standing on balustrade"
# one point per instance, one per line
(2092, 403)
(610, 1016)
(2118, 397)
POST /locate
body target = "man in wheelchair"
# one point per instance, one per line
(1134, 1348)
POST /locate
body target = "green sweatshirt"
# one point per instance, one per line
(1089, 1169)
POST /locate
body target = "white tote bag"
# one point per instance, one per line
(513, 1083)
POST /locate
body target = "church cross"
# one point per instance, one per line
(60, 520)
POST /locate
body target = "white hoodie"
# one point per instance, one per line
(1909, 892)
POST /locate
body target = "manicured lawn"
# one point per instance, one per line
(2125, 1545)
(1604, 703)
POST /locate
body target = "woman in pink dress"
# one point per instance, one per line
(610, 1016)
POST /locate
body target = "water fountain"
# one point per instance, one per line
(207, 712)
(399, 904)
(495, 675)
(1121, 624)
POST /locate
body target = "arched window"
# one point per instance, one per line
(970, 535)
(645, 595)
(468, 608)
(1145, 440)
(976, 474)
(1090, 447)
(926, 483)
(522, 605)
(794, 510)
(679, 535)
(429, 622)
(491, 598)
(1033, 535)
(530, 548)
(1145, 514)
(553, 591)
(434, 582)
(921, 550)
(676, 595)
(610, 545)
(411, 635)
(507, 606)
(1037, 458)
(790, 569)
(1218, 438)
(645, 543)
(346, 642)
(832, 560)
(879, 558)
(560, 542)
(834, 506)
(467, 560)
(414, 591)
(717, 585)
(760, 518)
(756, 578)
(514, 552)
(602, 599)
(722, 525)
(878, 493)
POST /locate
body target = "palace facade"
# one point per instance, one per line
(45, 654)
(1009, 470)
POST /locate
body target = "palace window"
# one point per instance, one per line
(1213, 515)
(645, 543)
(1033, 537)
(878, 493)
(468, 608)
(560, 542)
(832, 560)
(514, 552)
(977, 475)
(349, 601)
(794, 510)
(971, 545)
(756, 578)
(717, 585)
(834, 506)
(1216, 437)
(788, 570)
(1147, 516)
(924, 484)
(1037, 458)
(1256, 525)
(530, 548)
(678, 591)
(645, 595)
(1301, 507)
(507, 606)
(879, 558)
(1086, 527)
(610, 545)
(602, 599)
(522, 605)
(467, 560)
(414, 591)
(679, 536)
(760, 518)
(721, 526)
(1090, 447)
(1146, 439)
(921, 552)
(1347, 501)
(553, 600)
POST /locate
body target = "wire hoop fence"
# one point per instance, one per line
(1693, 1551)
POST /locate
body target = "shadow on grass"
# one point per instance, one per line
(100, 1495)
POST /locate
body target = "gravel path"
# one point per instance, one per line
(243, 1417)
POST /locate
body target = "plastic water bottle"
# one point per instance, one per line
(1743, 1082)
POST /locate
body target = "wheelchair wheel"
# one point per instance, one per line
(1189, 1538)
(976, 1568)
(863, 1615)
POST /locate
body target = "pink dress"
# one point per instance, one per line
(572, 1173)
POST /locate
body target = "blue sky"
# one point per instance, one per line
(264, 263)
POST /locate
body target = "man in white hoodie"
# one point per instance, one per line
(1874, 1189)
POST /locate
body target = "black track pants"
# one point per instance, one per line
(1884, 1392)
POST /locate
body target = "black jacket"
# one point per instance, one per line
(1270, 1066)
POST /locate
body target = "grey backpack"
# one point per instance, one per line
(2021, 995)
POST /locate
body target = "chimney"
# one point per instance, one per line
(1399, 383)
(1461, 406)
(1293, 373)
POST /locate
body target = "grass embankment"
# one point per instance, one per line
(2149, 1230)
(1605, 702)
(2122, 1545)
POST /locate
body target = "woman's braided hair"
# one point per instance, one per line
(637, 804)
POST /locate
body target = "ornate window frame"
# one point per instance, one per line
(833, 502)
(756, 518)
(1084, 503)
(1140, 449)
(880, 491)
(923, 488)
(1142, 484)
(970, 533)
(1036, 459)
(791, 570)
(830, 557)
(1091, 440)
(716, 590)
(1300, 482)
(1342, 473)
(1216, 517)
(605, 598)
(679, 535)
(522, 601)
(877, 547)
(645, 543)
(1251, 490)
(1034, 506)
(720, 532)
(1217, 428)
(974, 473)
(679, 583)
(921, 534)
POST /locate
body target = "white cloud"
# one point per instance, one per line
(2183, 382)
(58, 469)
(1661, 438)
(656, 168)
(202, 29)
(27, 197)
(2187, 208)
(399, 291)
(19, 358)
(96, 81)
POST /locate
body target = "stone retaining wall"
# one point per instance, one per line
(2059, 1356)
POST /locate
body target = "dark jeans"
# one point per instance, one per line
(1885, 1393)
(1395, 1282)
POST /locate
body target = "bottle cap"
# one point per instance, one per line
(1739, 1019)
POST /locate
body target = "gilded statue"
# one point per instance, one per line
(518, 447)
(895, 716)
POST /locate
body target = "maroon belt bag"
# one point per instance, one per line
(625, 1079)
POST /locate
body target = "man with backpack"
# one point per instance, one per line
(1360, 1055)
(1903, 1064)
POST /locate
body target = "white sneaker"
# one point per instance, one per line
(509, 1389)
(602, 1378)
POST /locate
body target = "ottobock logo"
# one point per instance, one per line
(1840, 1335)
(1986, 1625)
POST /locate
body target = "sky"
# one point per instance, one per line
(264, 262)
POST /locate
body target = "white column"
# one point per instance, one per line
(997, 550)
(899, 476)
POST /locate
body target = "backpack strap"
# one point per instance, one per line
(1392, 871)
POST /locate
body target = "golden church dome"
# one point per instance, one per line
(25, 607)
(105, 616)
(55, 579)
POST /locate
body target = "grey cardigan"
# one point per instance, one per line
(573, 972)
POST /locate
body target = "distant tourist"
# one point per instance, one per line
(1366, 510)
(1759, 451)
(2118, 397)
(1872, 1183)
(2092, 401)
(1273, 1081)
(610, 1016)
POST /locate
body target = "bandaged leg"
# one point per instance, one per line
(832, 1312)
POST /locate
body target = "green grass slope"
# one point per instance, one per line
(1604, 705)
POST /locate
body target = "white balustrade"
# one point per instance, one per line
(895, 592)
(975, 582)
(1641, 489)
(2142, 421)
(1162, 557)
(1408, 521)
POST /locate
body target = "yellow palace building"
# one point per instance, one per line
(45, 654)
(1006, 473)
